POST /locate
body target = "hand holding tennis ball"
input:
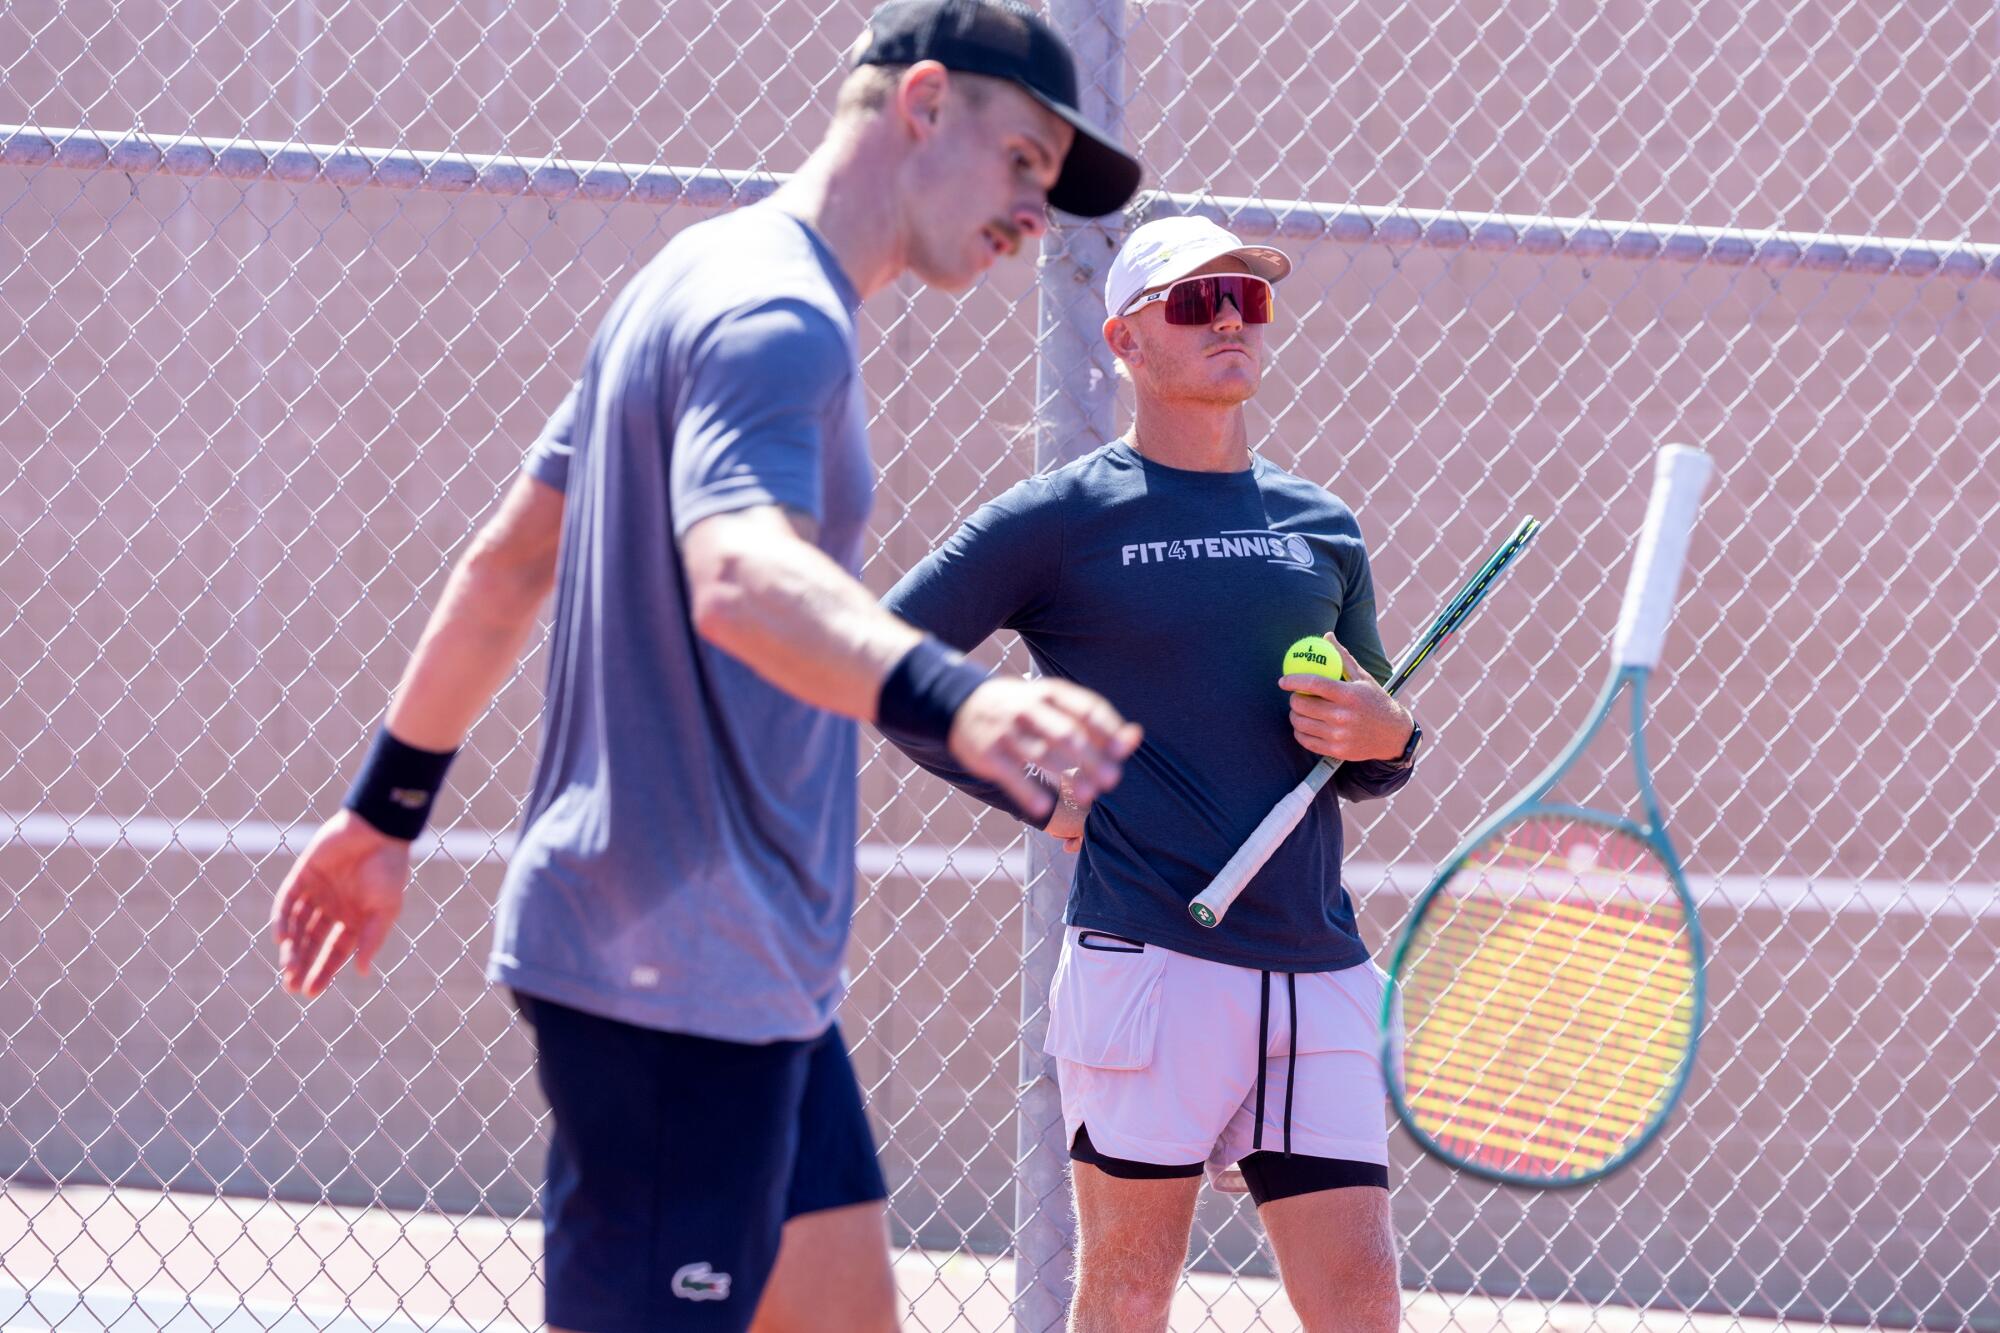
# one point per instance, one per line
(1338, 711)
(1315, 655)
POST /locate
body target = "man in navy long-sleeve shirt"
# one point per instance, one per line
(1169, 570)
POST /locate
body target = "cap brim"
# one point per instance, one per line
(1268, 264)
(1098, 176)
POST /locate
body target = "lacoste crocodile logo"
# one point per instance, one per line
(699, 1282)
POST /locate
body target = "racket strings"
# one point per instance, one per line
(1548, 1000)
(1498, 1009)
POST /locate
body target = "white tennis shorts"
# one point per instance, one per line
(1157, 1053)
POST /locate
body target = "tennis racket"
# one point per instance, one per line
(1212, 904)
(1549, 980)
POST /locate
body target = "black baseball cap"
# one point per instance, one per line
(1003, 39)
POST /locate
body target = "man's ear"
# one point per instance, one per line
(920, 94)
(1118, 337)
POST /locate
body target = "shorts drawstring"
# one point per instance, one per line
(1291, 1058)
(1263, 1040)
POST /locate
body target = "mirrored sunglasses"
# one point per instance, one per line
(1199, 300)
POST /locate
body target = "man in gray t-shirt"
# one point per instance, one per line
(674, 917)
(687, 862)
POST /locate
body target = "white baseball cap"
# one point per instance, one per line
(1161, 251)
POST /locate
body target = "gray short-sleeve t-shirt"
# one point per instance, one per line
(687, 857)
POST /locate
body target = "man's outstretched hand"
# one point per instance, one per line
(338, 902)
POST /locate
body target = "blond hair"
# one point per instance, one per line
(866, 90)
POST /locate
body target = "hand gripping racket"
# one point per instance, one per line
(1212, 904)
(1549, 980)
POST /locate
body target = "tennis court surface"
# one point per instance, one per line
(125, 1261)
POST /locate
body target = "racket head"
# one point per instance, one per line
(1546, 999)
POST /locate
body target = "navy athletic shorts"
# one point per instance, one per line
(674, 1161)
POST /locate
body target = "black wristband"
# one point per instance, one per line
(397, 786)
(923, 692)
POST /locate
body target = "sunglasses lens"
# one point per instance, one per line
(1197, 300)
(1191, 302)
(1254, 300)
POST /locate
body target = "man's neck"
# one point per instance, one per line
(1195, 437)
(844, 193)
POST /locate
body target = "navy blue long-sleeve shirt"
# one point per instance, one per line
(1175, 594)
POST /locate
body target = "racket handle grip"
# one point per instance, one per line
(1213, 903)
(1679, 475)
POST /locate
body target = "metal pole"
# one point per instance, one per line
(1076, 405)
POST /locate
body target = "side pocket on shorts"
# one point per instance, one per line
(1104, 1004)
(1341, 1011)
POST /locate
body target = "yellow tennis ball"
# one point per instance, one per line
(1314, 655)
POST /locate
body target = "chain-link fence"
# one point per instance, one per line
(265, 381)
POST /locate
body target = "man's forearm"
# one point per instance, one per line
(476, 635)
(1372, 779)
(777, 603)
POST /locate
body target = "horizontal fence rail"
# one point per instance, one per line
(511, 176)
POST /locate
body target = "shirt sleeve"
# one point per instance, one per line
(548, 457)
(1361, 636)
(753, 412)
(1000, 570)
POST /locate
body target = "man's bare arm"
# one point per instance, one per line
(765, 595)
(475, 637)
(344, 892)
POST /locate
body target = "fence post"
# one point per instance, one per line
(1076, 406)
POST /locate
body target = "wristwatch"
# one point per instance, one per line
(1409, 754)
